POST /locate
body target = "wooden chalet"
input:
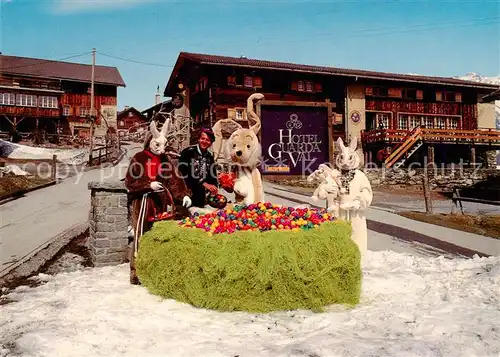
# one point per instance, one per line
(54, 96)
(130, 119)
(400, 118)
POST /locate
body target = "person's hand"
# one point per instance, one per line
(352, 205)
(186, 201)
(156, 186)
(213, 190)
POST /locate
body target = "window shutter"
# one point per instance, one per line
(439, 96)
(420, 94)
(317, 87)
(458, 97)
(257, 82)
(369, 91)
(231, 113)
(295, 86)
(395, 93)
(231, 80)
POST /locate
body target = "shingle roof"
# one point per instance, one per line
(285, 66)
(35, 67)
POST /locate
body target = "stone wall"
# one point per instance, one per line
(108, 221)
(439, 179)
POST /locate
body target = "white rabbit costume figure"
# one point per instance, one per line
(328, 188)
(355, 192)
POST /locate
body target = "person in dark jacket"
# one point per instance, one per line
(197, 167)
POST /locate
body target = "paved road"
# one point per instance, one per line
(28, 223)
(394, 232)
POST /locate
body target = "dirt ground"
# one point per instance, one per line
(487, 225)
(16, 184)
(393, 190)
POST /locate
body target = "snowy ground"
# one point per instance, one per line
(411, 306)
(67, 156)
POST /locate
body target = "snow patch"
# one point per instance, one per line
(18, 151)
(13, 169)
(411, 306)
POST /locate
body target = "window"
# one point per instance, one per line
(428, 122)
(84, 111)
(47, 102)
(66, 110)
(231, 80)
(26, 100)
(257, 82)
(414, 121)
(382, 120)
(380, 92)
(410, 93)
(441, 123)
(309, 86)
(453, 123)
(444, 96)
(300, 86)
(7, 98)
(248, 82)
(403, 123)
(130, 114)
(240, 114)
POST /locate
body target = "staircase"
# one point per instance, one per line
(413, 141)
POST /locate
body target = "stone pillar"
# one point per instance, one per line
(108, 221)
(430, 155)
(473, 157)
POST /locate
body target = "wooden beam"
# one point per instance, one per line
(330, 105)
(10, 121)
(298, 103)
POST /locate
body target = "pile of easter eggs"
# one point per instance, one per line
(258, 217)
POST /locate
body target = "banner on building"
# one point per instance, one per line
(294, 139)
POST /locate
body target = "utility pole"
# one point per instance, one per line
(92, 117)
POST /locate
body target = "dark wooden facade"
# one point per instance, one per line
(217, 87)
(47, 98)
(130, 119)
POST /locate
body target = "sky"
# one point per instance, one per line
(143, 38)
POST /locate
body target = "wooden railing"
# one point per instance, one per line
(101, 154)
(477, 136)
(480, 136)
(403, 148)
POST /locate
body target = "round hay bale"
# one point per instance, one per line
(250, 270)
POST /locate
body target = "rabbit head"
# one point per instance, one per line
(158, 141)
(243, 146)
(347, 158)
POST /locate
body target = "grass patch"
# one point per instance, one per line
(252, 271)
(487, 225)
(12, 185)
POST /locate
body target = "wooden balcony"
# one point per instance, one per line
(435, 136)
(33, 112)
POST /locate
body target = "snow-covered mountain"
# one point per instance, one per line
(475, 77)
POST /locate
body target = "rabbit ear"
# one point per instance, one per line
(340, 143)
(353, 144)
(154, 130)
(225, 127)
(165, 128)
